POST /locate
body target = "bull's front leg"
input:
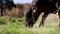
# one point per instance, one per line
(43, 19)
(59, 17)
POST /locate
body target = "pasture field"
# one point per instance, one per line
(15, 25)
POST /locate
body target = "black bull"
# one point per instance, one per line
(44, 6)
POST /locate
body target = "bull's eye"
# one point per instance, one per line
(34, 11)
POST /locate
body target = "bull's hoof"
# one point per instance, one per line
(29, 26)
(59, 25)
(41, 25)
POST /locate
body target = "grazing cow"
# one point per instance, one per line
(43, 6)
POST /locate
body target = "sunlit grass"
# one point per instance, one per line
(15, 25)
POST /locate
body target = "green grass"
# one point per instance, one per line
(15, 25)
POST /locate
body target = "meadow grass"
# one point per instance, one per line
(15, 25)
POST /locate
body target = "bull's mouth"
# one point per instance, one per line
(34, 11)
